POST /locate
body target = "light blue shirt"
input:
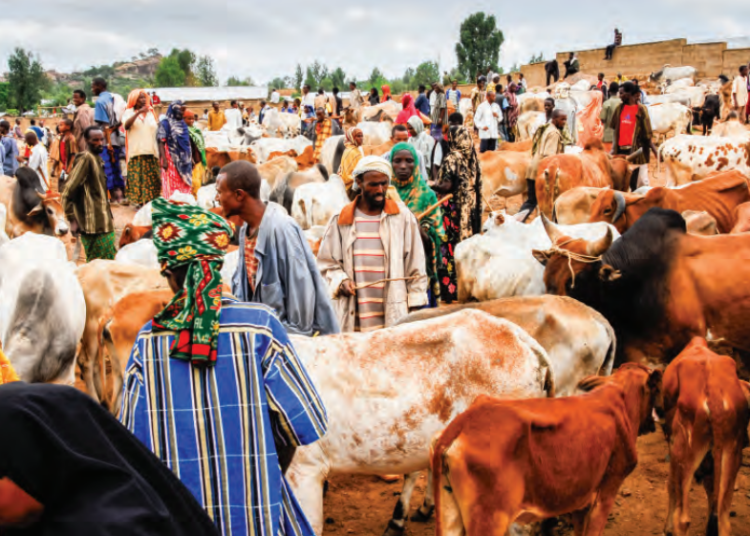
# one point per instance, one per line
(8, 154)
(287, 279)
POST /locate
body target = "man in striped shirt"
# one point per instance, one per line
(372, 256)
(214, 385)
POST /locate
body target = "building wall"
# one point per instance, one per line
(640, 60)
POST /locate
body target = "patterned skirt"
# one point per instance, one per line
(99, 246)
(171, 180)
(447, 268)
(144, 179)
(199, 173)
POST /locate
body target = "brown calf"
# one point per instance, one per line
(133, 233)
(706, 418)
(506, 461)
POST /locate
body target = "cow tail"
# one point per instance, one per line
(439, 446)
(323, 171)
(549, 382)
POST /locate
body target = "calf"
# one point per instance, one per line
(718, 195)
(133, 233)
(29, 208)
(505, 461)
(706, 417)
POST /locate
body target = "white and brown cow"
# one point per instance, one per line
(29, 208)
(691, 158)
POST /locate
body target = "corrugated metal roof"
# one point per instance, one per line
(192, 94)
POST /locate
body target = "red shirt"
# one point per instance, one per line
(155, 99)
(63, 155)
(627, 125)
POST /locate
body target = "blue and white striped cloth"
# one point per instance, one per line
(215, 426)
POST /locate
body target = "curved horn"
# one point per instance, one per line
(620, 201)
(599, 247)
(552, 231)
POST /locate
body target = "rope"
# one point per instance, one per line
(573, 256)
(366, 285)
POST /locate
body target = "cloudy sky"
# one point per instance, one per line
(265, 39)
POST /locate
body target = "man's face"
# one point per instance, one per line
(403, 165)
(560, 121)
(141, 102)
(3, 130)
(95, 141)
(743, 71)
(231, 201)
(490, 97)
(305, 90)
(359, 137)
(96, 89)
(215, 106)
(63, 127)
(601, 77)
(374, 185)
(400, 136)
(78, 100)
(454, 84)
(548, 107)
(179, 112)
(621, 94)
(411, 130)
(320, 114)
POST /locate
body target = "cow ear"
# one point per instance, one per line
(36, 210)
(542, 256)
(655, 194)
(520, 216)
(126, 231)
(607, 273)
(499, 219)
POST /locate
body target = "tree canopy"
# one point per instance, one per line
(26, 80)
(479, 45)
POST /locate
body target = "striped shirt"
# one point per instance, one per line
(84, 197)
(251, 261)
(369, 266)
(215, 426)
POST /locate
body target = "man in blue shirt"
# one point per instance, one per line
(114, 142)
(37, 130)
(422, 103)
(8, 150)
(454, 94)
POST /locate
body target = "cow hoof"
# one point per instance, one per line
(393, 530)
(421, 517)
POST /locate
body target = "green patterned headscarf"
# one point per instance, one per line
(197, 136)
(186, 235)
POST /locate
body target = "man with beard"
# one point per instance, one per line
(276, 266)
(372, 256)
(85, 201)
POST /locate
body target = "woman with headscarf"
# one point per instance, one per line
(386, 89)
(460, 175)
(439, 114)
(142, 151)
(423, 142)
(175, 152)
(198, 148)
(418, 197)
(68, 468)
(353, 153)
(374, 97)
(511, 112)
(409, 111)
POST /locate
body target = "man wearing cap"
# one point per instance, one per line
(372, 256)
(214, 388)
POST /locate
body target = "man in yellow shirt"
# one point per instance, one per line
(216, 118)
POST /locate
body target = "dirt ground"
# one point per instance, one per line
(362, 505)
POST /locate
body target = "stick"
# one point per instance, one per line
(489, 207)
(433, 207)
(365, 285)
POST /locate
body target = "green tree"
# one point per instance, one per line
(235, 81)
(153, 52)
(537, 58)
(408, 75)
(315, 74)
(375, 77)
(278, 83)
(4, 93)
(338, 78)
(427, 73)
(299, 77)
(169, 73)
(206, 71)
(26, 80)
(479, 45)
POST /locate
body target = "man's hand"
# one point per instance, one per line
(74, 229)
(348, 288)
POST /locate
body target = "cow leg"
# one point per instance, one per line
(86, 361)
(398, 520)
(424, 512)
(727, 461)
(306, 476)
(686, 454)
(709, 478)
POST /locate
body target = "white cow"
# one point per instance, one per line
(690, 158)
(500, 262)
(669, 117)
(141, 252)
(465, 108)
(528, 123)
(677, 85)
(231, 260)
(286, 124)
(387, 397)
(265, 146)
(389, 109)
(42, 310)
(315, 203)
(376, 133)
(4, 239)
(328, 152)
(673, 73)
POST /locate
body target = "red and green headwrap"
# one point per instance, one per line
(186, 235)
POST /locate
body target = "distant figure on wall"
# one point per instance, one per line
(572, 66)
(611, 48)
(552, 68)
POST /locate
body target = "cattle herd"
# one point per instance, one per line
(576, 333)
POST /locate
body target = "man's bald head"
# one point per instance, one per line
(241, 175)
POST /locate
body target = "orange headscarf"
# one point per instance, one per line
(7, 374)
(133, 99)
(386, 93)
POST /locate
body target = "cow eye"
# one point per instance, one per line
(607, 210)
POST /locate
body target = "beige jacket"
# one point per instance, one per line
(550, 145)
(404, 257)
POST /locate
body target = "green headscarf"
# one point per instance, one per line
(416, 195)
(197, 136)
(186, 235)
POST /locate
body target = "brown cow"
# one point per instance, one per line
(700, 223)
(291, 153)
(706, 417)
(657, 285)
(717, 195)
(217, 158)
(521, 146)
(592, 167)
(133, 233)
(305, 161)
(741, 219)
(118, 329)
(505, 461)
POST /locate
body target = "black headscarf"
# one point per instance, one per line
(91, 474)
